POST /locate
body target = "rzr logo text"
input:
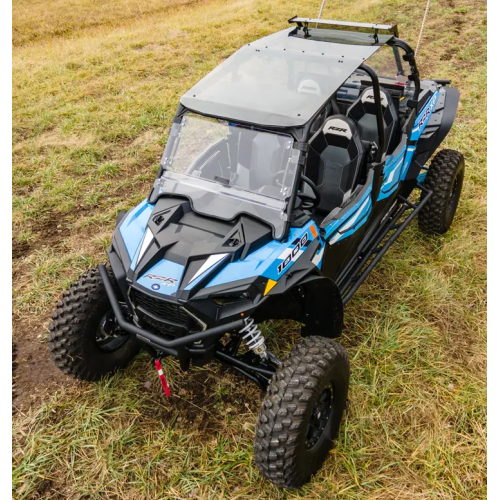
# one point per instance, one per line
(337, 128)
(293, 253)
(422, 120)
(427, 111)
(164, 281)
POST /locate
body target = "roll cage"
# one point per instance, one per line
(370, 36)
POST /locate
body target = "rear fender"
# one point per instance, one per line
(436, 129)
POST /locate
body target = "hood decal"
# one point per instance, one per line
(208, 264)
(148, 238)
(164, 277)
(133, 226)
(146, 242)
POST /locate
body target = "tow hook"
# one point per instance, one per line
(163, 380)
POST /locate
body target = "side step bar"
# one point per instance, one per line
(375, 248)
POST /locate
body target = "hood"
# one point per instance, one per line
(168, 249)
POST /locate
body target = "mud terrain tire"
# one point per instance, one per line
(445, 179)
(74, 340)
(302, 411)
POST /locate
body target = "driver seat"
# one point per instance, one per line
(335, 160)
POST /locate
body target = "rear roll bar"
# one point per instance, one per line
(378, 107)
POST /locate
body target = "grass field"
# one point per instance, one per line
(96, 84)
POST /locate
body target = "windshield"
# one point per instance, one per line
(226, 169)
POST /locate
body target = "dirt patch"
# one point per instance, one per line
(148, 137)
(52, 139)
(34, 376)
(198, 398)
(19, 248)
(458, 23)
(50, 230)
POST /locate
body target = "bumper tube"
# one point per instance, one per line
(153, 338)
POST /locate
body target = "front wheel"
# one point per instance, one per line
(445, 179)
(84, 340)
(301, 413)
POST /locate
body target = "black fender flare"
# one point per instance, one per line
(314, 301)
(449, 112)
(323, 309)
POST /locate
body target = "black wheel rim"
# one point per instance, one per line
(454, 197)
(319, 418)
(109, 337)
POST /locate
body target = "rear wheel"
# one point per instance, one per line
(445, 179)
(301, 413)
(85, 340)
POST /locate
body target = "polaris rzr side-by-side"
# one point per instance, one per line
(286, 176)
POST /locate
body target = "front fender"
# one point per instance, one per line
(323, 310)
(314, 301)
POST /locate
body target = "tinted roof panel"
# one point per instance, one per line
(279, 80)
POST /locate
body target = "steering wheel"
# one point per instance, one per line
(308, 202)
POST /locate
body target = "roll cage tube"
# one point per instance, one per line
(303, 145)
(409, 57)
(378, 109)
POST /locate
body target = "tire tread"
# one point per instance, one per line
(439, 179)
(276, 449)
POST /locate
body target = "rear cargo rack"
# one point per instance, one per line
(304, 22)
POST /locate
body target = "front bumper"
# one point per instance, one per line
(156, 341)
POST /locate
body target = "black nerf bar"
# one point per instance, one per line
(151, 337)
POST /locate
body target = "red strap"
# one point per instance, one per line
(163, 380)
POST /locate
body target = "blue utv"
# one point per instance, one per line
(286, 177)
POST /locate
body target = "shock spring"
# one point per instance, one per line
(253, 338)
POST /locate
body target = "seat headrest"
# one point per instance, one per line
(368, 95)
(338, 125)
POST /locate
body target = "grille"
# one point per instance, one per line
(163, 328)
(162, 309)
(165, 311)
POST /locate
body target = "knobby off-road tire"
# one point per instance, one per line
(445, 179)
(76, 339)
(292, 436)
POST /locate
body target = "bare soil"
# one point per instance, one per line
(34, 375)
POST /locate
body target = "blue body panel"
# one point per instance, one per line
(352, 220)
(393, 167)
(194, 282)
(266, 260)
(408, 158)
(423, 117)
(163, 268)
(396, 167)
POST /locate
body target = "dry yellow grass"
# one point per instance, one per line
(95, 87)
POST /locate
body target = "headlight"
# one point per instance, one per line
(230, 298)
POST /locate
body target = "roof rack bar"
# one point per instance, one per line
(303, 22)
